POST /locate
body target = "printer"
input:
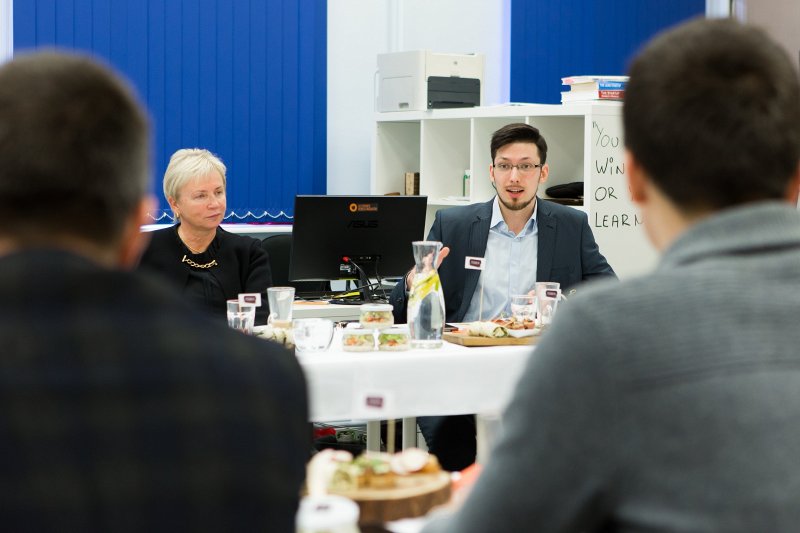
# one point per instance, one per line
(421, 79)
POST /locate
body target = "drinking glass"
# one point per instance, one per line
(280, 306)
(241, 317)
(523, 307)
(548, 293)
(312, 334)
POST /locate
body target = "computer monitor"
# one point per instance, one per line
(355, 237)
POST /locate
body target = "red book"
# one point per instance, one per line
(587, 96)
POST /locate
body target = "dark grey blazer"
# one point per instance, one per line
(127, 409)
(670, 402)
(567, 252)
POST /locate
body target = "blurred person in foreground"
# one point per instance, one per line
(123, 408)
(206, 263)
(670, 402)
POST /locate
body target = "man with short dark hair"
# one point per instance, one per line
(669, 402)
(523, 239)
(123, 409)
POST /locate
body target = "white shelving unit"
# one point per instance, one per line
(584, 144)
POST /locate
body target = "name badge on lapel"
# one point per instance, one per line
(474, 263)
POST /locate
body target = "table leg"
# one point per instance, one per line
(409, 432)
(374, 435)
(488, 429)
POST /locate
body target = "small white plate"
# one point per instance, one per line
(523, 332)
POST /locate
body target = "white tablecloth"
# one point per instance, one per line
(381, 385)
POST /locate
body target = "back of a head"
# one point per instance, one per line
(74, 150)
(712, 113)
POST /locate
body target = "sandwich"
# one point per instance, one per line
(393, 340)
(487, 329)
(358, 340)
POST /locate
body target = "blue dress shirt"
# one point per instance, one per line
(509, 267)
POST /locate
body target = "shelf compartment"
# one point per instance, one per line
(397, 150)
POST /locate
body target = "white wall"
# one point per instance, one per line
(781, 19)
(718, 8)
(358, 30)
(6, 29)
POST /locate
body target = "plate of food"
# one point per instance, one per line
(520, 333)
(497, 332)
(283, 336)
(519, 328)
(385, 486)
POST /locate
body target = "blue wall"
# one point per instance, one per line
(551, 40)
(245, 79)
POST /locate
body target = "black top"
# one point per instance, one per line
(232, 264)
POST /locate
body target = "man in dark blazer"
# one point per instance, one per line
(123, 408)
(523, 239)
(567, 252)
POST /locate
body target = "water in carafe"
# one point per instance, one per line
(426, 301)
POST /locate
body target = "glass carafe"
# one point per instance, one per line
(426, 300)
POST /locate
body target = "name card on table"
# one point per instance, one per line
(372, 404)
(250, 298)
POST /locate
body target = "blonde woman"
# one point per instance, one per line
(208, 264)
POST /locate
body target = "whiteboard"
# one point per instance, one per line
(614, 219)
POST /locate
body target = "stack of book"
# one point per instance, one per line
(412, 183)
(593, 88)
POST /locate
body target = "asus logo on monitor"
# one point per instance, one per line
(365, 224)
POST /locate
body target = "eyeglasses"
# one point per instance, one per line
(522, 168)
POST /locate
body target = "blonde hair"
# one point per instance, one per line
(189, 163)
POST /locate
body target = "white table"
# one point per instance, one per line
(386, 385)
(335, 312)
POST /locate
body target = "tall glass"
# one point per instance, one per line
(426, 300)
(280, 301)
(241, 317)
(548, 294)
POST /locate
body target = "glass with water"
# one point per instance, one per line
(523, 307)
(312, 334)
(280, 300)
(426, 300)
(548, 294)
(241, 317)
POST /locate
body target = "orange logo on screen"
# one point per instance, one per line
(362, 208)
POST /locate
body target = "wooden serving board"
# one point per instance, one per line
(470, 340)
(413, 496)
